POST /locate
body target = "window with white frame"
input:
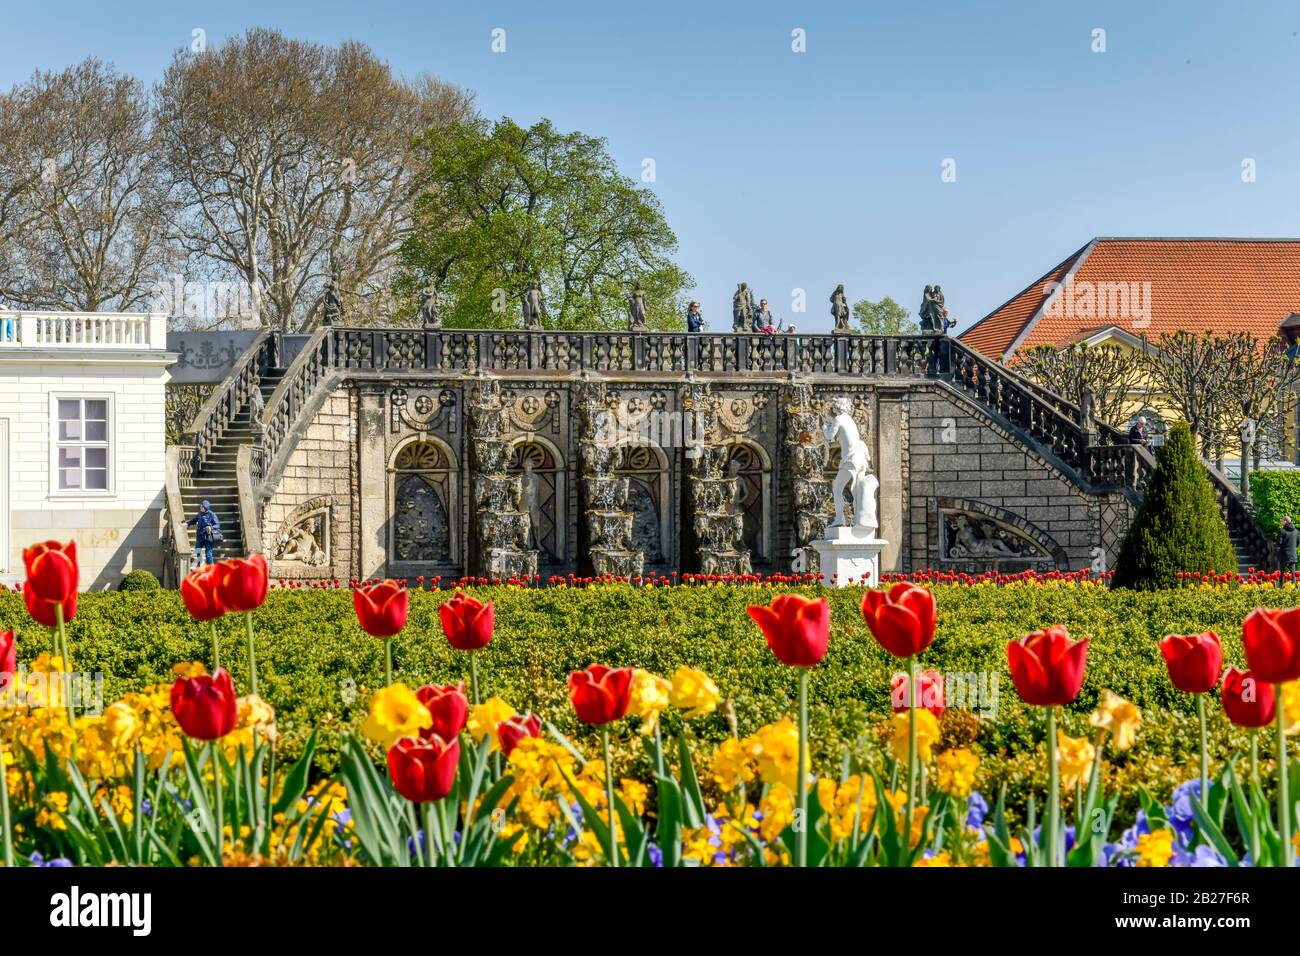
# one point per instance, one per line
(81, 444)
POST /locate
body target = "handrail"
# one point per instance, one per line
(242, 384)
(312, 363)
(176, 556)
(248, 482)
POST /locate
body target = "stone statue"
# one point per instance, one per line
(299, 544)
(933, 315)
(742, 308)
(532, 300)
(532, 502)
(840, 309)
(854, 474)
(429, 316)
(983, 542)
(636, 313)
(331, 305)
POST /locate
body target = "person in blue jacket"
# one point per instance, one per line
(207, 526)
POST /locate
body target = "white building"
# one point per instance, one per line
(82, 440)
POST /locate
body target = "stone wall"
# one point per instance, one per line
(959, 490)
(962, 460)
(307, 524)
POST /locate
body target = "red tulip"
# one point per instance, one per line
(381, 608)
(797, 628)
(600, 694)
(510, 732)
(466, 622)
(8, 654)
(199, 592)
(43, 612)
(205, 706)
(1247, 700)
(449, 708)
(423, 770)
(1193, 661)
(1272, 642)
(52, 570)
(1047, 667)
(242, 583)
(929, 695)
(901, 619)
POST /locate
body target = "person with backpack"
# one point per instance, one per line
(207, 532)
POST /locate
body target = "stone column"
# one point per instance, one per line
(810, 488)
(500, 520)
(889, 469)
(372, 474)
(608, 522)
(718, 523)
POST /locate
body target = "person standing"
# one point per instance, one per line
(694, 320)
(1137, 435)
(207, 531)
(1286, 545)
(763, 319)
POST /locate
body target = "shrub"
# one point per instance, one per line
(138, 580)
(1276, 494)
(318, 669)
(1178, 526)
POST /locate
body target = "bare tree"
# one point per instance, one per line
(1260, 392)
(1198, 373)
(1112, 374)
(80, 207)
(291, 159)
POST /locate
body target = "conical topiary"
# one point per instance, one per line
(1178, 526)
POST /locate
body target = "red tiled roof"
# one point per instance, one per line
(1221, 285)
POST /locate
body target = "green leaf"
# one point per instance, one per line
(295, 781)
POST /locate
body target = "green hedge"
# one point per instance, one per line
(1276, 494)
(311, 655)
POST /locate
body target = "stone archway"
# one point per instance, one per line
(424, 505)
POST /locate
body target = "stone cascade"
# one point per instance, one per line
(501, 523)
(716, 516)
(809, 457)
(608, 520)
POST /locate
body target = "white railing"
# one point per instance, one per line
(83, 330)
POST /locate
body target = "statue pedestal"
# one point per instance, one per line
(849, 556)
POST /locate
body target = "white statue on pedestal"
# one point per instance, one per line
(854, 473)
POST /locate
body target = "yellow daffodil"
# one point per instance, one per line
(775, 750)
(189, 669)
(731, 765)
(649, 699)
(1074, 755)
(694, 692)
(1118, 716)
(927, 734)
(484, 718)
(957, 772)
(395, 712)
(1291, 706)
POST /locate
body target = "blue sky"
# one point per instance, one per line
(802, 170)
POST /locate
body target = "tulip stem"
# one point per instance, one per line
(473, 677)
(1285, 812)
(801, 829)
(6, 830)
(252, 658)
(428, 834)
(1205, 752)
(1053, 791)
(218, 809)
(1254, 757)
(216, 645)
(659, 751)
(66, 654)
(911, 750)
(388, 662)
(612, 849)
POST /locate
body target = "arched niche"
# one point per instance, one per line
(539, 461)
(424, 504)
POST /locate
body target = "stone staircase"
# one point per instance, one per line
(215, 480)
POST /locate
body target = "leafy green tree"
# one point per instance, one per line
(503, 206)
(1178, 526)
(885, 317)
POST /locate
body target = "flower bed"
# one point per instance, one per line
(722, 737)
